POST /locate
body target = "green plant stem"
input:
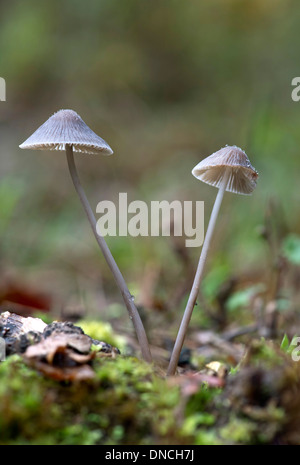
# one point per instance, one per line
(128, 299)
(197, 280)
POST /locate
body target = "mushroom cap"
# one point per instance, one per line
(243, 176)
(63, 128)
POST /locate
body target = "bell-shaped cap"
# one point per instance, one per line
(66, 128)
(242, 176)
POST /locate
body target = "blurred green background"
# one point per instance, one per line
(165, 83)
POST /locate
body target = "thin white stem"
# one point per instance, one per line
(128, 299)
(197, 280)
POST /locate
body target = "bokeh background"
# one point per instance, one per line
(165, 83)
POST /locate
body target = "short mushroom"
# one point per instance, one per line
(230, 170)
(65, 130)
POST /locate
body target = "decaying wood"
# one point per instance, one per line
(59, 350)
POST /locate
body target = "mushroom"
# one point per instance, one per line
(230, 170)
(65, 130)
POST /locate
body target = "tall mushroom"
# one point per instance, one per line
(230, 170)
(65, 130)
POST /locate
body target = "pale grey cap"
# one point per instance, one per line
(243, 176)
(63, 128)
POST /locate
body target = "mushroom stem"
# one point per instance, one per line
(128, 299)
(197, 280)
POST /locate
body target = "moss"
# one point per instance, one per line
(102, 331)
(238, 431)
(128, 402)
(125, 403)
